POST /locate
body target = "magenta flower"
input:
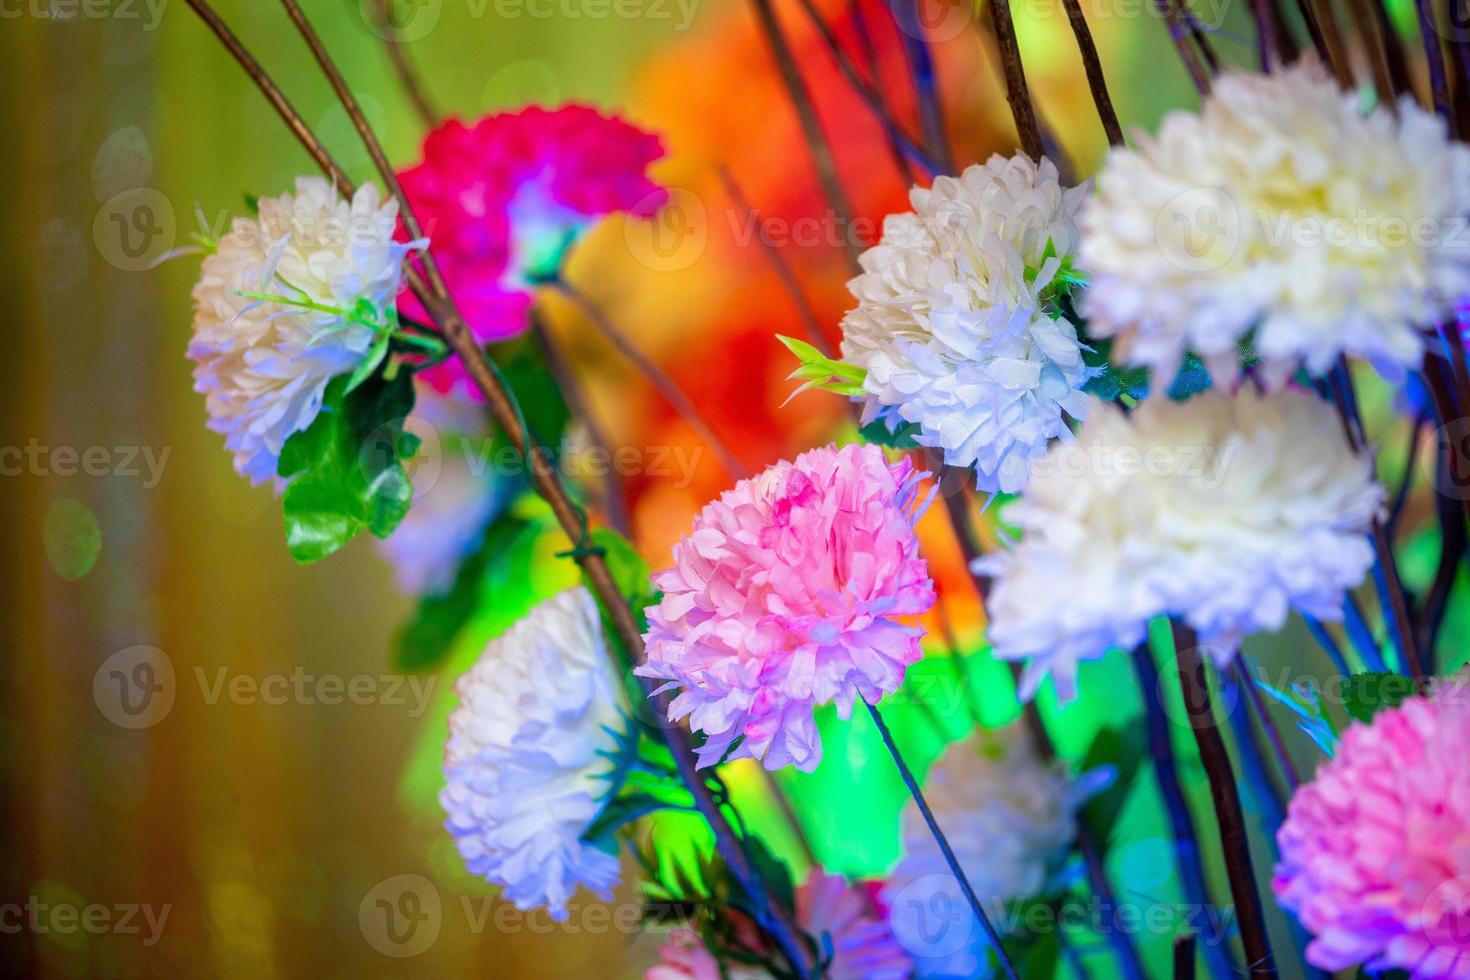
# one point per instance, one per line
(1375, 851)
(783, 597)
(503, 200)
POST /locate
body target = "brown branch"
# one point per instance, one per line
(615, 501)
(809, 323)
(1184, 956)
(811, 127)
(1017, 94)
(1092, 65)
(1234, 841)
(1377, 53)
(665, 385)
(777, 921)
(1439, 89)
(413, 87)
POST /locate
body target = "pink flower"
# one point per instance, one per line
(503, 200)
(783, 597)
(863, 944)
(1375, 851)
(828, 909)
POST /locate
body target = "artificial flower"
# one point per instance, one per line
(954, 327)
(1375, 852)
(784, 596)
(538, 716)
(1225, 512)
(1009, 818)
(505, 198)
(1284, 214)
(263, 365)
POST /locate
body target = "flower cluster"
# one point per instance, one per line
(1224, 511)
(505, 198)
(953, 327)
(538, 716)
(1285, 209)
(263, 365)
(1009, 818)
(783, 597)
(1374, 854)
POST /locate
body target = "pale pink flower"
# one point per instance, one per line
(784, 596)
(1375, 851)
(828, 909)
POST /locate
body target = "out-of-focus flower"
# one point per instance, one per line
(1375, 857)
(263, 365)
(783, 597)
(952, 325)
(506, 198)
(456, 502)
(1009, 817)
(523, 762)
(863, 945)
(1226, 512)
(829, 910)
(1283, 208)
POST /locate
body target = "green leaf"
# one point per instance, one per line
(1368, 693)
(1039, 959)
(1122, 749)
(619, 812)
(370, 363)
(505, 551)
(634, 581)
(772, 871)
(877, 432)
(345, 470)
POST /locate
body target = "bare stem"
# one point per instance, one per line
(413, 86)
(1234, 841)
(656, 376)
(1017, 93)
(1092, 65)
(943, 842)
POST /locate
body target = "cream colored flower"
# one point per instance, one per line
(263, 366)
(524, 758)
(1283, 208)
(1226, 512)
(951, 326)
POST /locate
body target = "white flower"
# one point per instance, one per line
(1224, 511)
(1010, 819)
(453, 503)
(523, 762)
(263, 366)
(950, 324)
(1283, 207)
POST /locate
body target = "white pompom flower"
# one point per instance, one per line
(952, 327)
(1010, 819)
(1285, 208)
(1225, 512)
(526, 756)
(263, 366)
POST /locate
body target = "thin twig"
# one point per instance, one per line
(1234, 841)
(1017, 93)
(1166, 774)
(875, 74)
(915, 43)
(870, 95)
(1376, 52)
(1184, 956)
(943, 842)
(1268, 725)
(1439, 90)
(1401, 496)
(665, 385)
(1092, 66)
(811, 127)
(413, 87)
(614, 494)
(789, 282)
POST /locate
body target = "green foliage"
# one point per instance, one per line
(878, 433)
(820, 371)
(1368, 693)
(1120, 749)
(504, 554)
(1112, 382)
(346, 470)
